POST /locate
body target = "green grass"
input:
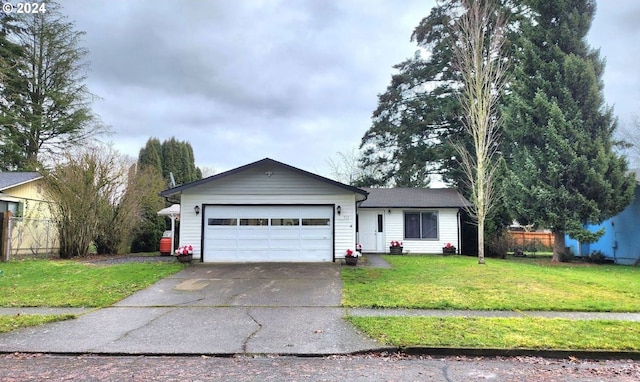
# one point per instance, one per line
(8, 323)
(459, 282)
(502, 333)
(44, 283)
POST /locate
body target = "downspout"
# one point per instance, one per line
(355, 218)
(459, 231)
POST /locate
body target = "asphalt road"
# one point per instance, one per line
(371, 367)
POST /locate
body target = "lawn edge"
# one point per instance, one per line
(521, 352)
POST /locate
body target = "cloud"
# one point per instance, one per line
(295, 80)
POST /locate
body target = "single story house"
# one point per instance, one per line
(620, 240)
(423, 219)
(268, 211)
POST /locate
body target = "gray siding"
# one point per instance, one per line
(281, 187)
(256, 181)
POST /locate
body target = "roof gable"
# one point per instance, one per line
(414, 198)
(260, 163)
(14, 179)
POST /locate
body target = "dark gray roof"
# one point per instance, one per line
(12, 179)
(414, 198)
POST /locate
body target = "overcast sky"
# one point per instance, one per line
(293, 80)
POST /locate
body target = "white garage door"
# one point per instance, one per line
(268, 233)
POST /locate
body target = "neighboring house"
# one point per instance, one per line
(424, 219)
(620, 242)
(268, 211)
(32, 231)
(21, 193)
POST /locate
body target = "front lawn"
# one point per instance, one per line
(44, 283)
(459, 282)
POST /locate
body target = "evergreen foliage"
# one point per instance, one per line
(563, 169)
(44, 104)
(158, 160)
(419, 112)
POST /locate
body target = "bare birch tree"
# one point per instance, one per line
(480, 59)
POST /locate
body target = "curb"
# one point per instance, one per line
(411, 351)
(544, 353)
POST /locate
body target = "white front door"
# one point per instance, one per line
(371, 230)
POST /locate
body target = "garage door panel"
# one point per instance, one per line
(268, 233)
(253, 244)
(248, 256)
(247, 234)
(314, 244)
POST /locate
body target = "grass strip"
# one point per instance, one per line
(502, 333)
(9, 323)
(44, 283)
(459, 282)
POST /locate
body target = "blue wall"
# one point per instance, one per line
(621, 241)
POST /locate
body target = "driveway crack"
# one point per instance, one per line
(137, 328)
(250, 336)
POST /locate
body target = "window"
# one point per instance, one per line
(421, 225)
(254, 222)
(285, 222)
(16, 209)
(216, 221)
(316, 221)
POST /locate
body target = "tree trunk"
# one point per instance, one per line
(481, 241)
(558, 245)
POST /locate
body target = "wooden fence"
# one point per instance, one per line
(524, 239)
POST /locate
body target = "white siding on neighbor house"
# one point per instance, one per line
(447, 230)
(254, 187)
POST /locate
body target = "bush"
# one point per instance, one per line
(597, 257)
(497, 245)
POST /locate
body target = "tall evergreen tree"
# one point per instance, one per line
(419, 112)
(156, 161)
(419, 115)
(44, 104)
(564, 171)
(178, 159)
(151, 155)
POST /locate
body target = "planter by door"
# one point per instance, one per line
(185, 259)
(350, 260)
(395, 250)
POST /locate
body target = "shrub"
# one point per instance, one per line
(497, 245)
(597, 257)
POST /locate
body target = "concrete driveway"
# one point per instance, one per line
(268, 308)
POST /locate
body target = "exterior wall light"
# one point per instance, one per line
(338, 210)
(196, 209)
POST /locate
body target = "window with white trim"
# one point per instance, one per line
(421, 225)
